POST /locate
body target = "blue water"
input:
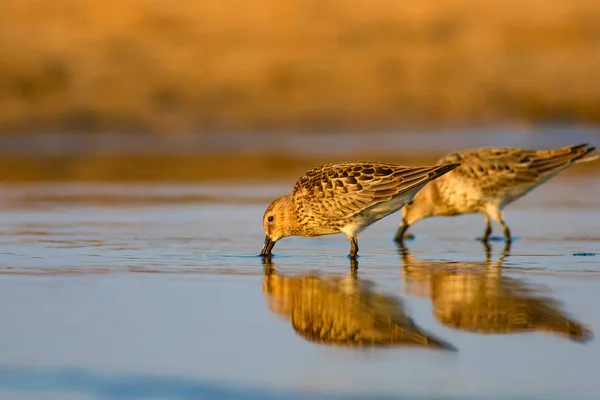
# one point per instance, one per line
(151, 299)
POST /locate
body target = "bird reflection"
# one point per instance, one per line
(475, 297)
(343, 311)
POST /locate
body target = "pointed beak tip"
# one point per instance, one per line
(267, 247)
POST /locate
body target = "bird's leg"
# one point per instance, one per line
(488, 229)
(353, 248)
(399, 238)
(496, 214)
(506, 230)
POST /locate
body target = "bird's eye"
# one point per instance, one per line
(409, 203)
(270, 219)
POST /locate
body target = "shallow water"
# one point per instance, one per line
(141, 290)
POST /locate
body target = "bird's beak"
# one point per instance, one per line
(400, 232)
(267, 247)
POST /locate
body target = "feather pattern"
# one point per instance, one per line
(341, 191)
(345, 198)
(495, 170)
(487, 180)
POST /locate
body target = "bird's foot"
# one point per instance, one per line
(490, 239)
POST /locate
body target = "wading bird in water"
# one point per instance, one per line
(488, 180)
(344, 198)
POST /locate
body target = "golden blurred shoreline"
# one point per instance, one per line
(186, 66)
(191, 168)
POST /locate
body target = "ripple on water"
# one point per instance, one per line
(181, 282)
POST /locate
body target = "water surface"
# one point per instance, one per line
(136, 290)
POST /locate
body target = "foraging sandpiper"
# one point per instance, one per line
(487, 180)
(346, 198)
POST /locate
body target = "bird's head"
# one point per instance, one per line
(420, 207)
(279, 221)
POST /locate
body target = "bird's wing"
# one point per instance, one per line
(338, 191)
(499, 169)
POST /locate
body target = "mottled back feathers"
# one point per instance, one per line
(493, 170)
(339, 191)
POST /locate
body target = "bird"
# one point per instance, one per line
(344, 198)
(476, 297)
(488, 180)
(344, 311)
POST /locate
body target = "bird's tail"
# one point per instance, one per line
(588, 149)
(580, 152)
(552, 161)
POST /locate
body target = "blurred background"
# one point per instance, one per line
(151, 89)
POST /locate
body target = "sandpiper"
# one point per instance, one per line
(488, 180)
(344, 198)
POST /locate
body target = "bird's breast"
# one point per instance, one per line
(459, 199)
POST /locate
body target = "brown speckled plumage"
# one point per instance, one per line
(487, 180)
(475, 297)
(346, 197)
(346, 312)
